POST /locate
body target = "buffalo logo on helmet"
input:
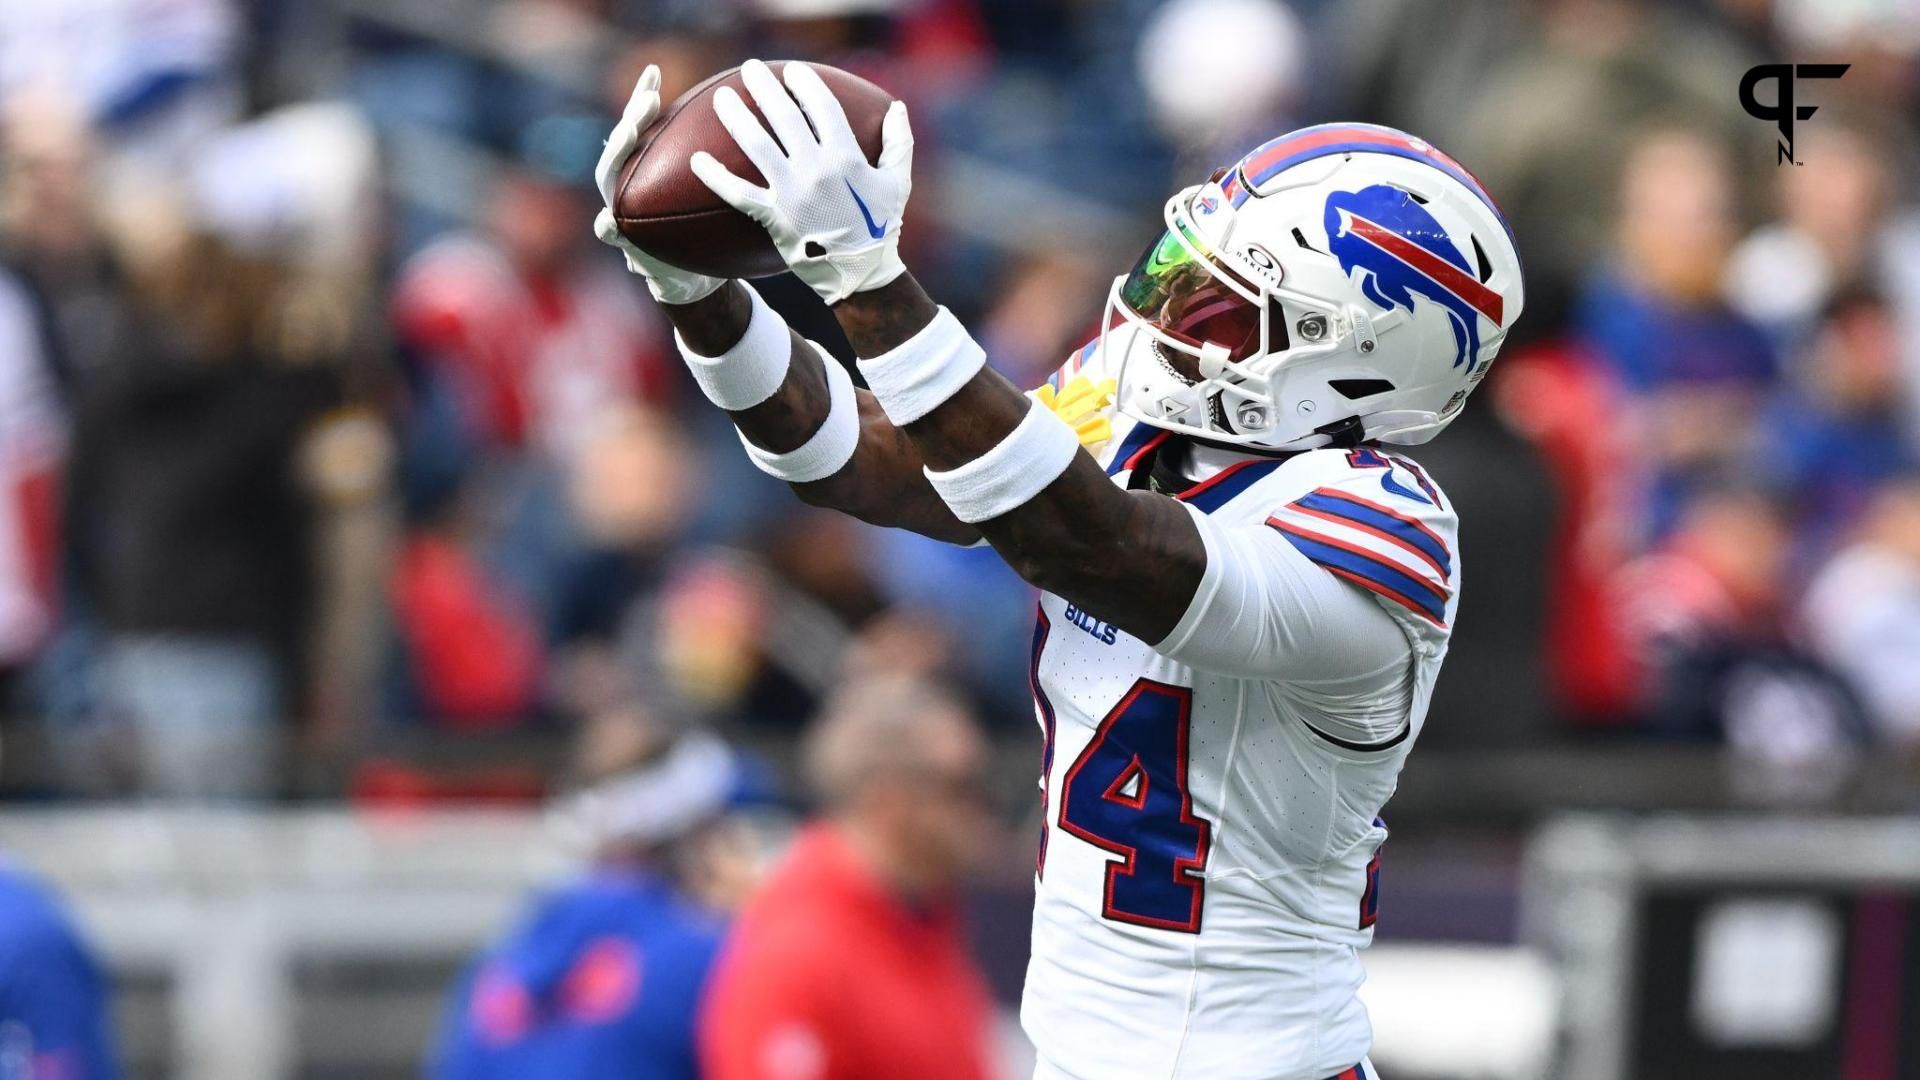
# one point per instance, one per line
(1403, 251)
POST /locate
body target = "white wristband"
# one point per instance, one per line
(829, 449)
(748, 373)
(913, 379)
(1018, 467)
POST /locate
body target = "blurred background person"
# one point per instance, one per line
(154, 79)
(1862, 613)
(55, 1017)
(1692, 373)
(47, 238)
(534, 345)
(849, 962)
(33, 436)
(192, 527)
(1704, 617)
(1648, 389)
(1838, 221)
(1623, 67)
(56, 233)
(543, 470)
(1834, 433)
(205, 464)
(1843, 224)
(603, 976)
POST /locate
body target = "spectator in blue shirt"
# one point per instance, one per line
(601, 979)
(1833, 436)
(53, 998)
(1692, 373)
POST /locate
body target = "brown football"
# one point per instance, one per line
(665, 209)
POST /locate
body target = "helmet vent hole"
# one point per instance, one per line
(1354, 389)
(1301, 239)
(1277, 338)
(1480, 258)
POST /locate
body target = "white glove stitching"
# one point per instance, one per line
(668, 284)
(834, 217)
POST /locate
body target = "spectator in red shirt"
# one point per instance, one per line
(849, 963)
(536, 345)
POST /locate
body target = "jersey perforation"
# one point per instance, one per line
(1223, 814)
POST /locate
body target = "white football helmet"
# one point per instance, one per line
(1344, 281)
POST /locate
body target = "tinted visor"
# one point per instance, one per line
(1185, 295)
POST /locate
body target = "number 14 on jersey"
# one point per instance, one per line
(1127, 794)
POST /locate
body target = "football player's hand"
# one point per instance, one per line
(1082, 403)
(834, 217)
(669, 284)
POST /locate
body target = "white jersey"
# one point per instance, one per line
(1208, 867)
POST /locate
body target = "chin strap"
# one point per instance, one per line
(1343, 434)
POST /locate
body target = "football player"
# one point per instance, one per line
(1246, 594)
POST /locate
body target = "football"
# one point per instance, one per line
(665, 209)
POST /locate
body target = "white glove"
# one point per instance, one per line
(834, 217)
(669, 284)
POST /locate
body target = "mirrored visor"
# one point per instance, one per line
(1185, 295)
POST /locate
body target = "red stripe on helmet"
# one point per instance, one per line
(1450, 277)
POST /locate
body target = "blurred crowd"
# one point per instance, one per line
(331, 444)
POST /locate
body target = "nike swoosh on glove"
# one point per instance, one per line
(834, 217)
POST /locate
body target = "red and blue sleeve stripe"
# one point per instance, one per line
(1388, 524)
(1369, 570)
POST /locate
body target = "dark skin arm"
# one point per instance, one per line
(1132, 558)
(882, 485)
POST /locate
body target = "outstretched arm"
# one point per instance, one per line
(997, 458)
(882, 483)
